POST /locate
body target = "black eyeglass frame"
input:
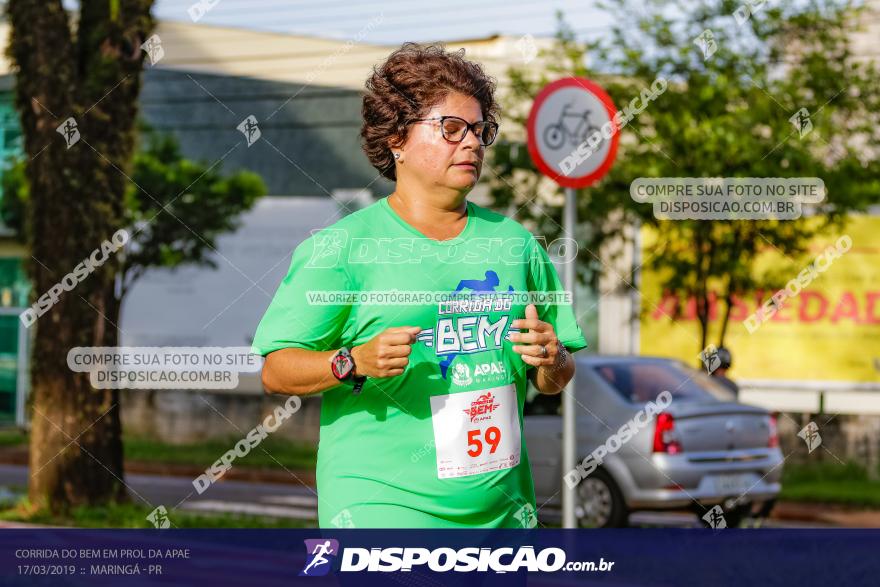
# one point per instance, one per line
(469, 127)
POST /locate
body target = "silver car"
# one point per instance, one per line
(703, 449)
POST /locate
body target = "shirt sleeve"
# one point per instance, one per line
(294, 317)
(543, 278)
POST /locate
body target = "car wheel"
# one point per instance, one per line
(736, 516)
(756, 519)
(765, 509)
(600, 503)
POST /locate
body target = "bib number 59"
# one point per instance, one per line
(492, 437)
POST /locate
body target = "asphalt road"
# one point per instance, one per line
(278, 500)
(293, 500)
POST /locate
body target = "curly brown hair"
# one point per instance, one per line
(407, 85)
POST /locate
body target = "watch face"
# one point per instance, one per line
(342, 366)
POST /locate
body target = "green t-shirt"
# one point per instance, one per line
(440, 445)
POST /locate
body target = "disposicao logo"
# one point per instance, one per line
(321, 552)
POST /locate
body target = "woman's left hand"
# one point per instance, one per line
(540, 333)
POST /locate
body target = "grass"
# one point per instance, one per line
(292, 455)
(131, 515)
(845, 484)
(10, 438)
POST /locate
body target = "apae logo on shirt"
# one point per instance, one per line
(488, 372)
(461, 374)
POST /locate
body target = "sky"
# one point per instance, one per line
(389, 22)
(401, 20)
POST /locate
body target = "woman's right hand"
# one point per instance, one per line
(386, 354)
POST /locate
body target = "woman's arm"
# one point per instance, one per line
(554, 370)
(295, 371)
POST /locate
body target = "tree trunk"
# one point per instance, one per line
(76, 203)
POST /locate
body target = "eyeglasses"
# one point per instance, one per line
(454, 129)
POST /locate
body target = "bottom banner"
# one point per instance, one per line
(435, 558)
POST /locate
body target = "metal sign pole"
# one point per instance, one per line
(547, 130)
(568, 404)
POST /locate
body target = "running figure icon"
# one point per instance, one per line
(320, 550)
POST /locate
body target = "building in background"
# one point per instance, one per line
(305, 93)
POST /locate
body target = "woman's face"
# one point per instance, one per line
(431, 160)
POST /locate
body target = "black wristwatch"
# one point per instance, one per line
(342, 366)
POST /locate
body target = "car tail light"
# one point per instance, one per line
(664, 433)
(773, 441)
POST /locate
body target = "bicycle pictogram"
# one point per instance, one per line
(556, 134)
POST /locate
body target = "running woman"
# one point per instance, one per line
(422, 403)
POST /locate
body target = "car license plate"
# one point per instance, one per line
(729, 484)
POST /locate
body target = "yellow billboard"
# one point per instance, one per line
(826, 327)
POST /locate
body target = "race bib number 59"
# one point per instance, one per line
(476, 431)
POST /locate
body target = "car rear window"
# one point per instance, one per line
(643, 381)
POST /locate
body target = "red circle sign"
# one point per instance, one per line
(565, 132)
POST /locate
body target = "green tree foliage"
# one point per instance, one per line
(722, 116)
(174, 208)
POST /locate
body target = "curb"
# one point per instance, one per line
(834, 514)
